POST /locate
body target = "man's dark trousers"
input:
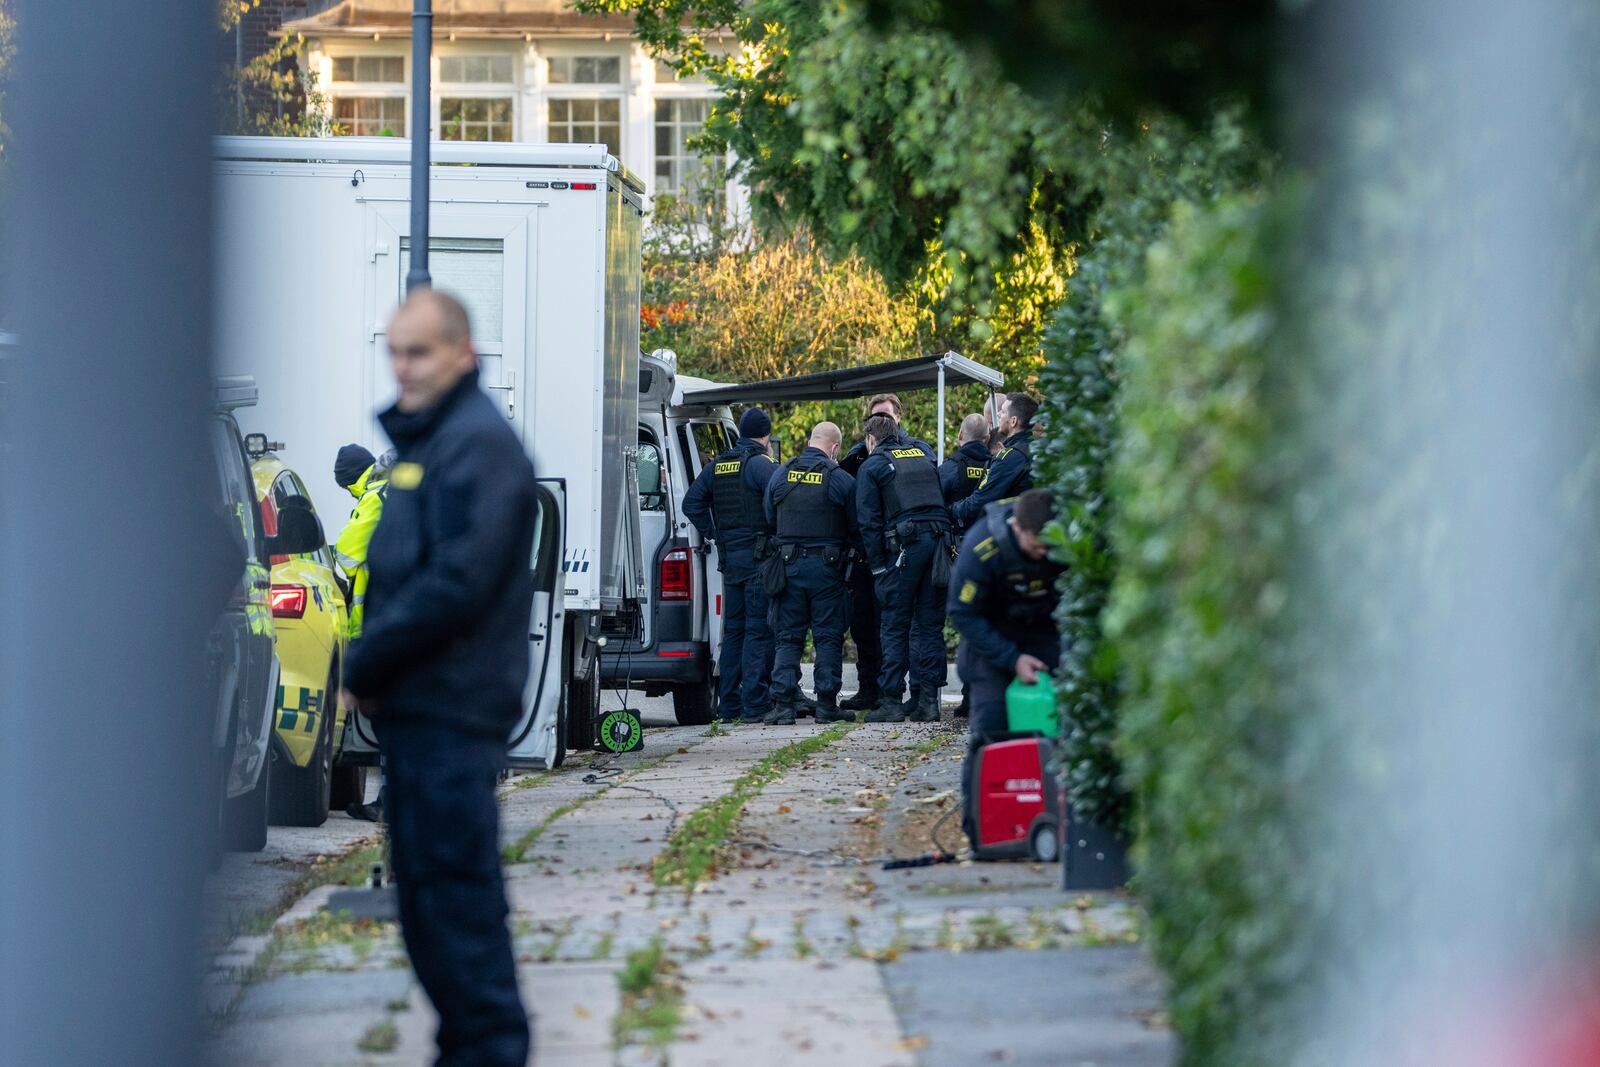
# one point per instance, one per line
(913, 623)
(745, 661)
(444, 841)
(814, 600)
(864, 623)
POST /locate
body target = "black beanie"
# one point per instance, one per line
(352, 463)
(754, 423)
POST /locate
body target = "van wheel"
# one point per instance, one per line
(560, 755)
(301, 795)
(245, 818)
(695, 703)
(583, 709)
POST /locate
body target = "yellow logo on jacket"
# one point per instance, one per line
(406, 475)
(729, 466)
(908, 453)
(806, 477)
(977, 472)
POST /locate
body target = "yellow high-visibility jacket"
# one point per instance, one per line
(351, 549)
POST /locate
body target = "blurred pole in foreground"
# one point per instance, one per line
(104, 532)
(1451, 310)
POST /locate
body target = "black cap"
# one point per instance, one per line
(352, 463)
(754, 423)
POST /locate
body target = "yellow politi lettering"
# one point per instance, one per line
(406, 475)
(908, 453)
(729, 466)
(976, 472)
(806, 477)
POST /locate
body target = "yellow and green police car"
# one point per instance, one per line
(311, 623)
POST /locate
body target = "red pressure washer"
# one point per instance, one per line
(1013, 800)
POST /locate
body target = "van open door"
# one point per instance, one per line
(539, 741)
(533, 744)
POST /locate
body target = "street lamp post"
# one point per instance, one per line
(421, 118)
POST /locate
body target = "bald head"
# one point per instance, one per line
(826, 436)
(430, 348)
(973, 428)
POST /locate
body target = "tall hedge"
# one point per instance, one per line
(1138, 174)
(1196, 609)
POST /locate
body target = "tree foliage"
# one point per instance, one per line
(1144, 171)
(893, 147)
(269, 95)
(8, 52)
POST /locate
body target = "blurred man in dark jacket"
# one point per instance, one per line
(440, 668)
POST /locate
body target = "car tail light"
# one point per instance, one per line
(288, 601)
(676, 583)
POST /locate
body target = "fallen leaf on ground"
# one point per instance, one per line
(783, 809)
(914, 1043)
(581, 1012)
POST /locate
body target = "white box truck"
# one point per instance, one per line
(542, 245)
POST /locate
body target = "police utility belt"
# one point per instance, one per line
(832, 555)
(900, 534)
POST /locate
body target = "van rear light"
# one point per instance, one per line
(288, 601)
(676, 581)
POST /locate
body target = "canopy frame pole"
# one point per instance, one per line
(418, 277)
(941, 411)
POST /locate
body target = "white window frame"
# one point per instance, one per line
(511, 90)
(622, 115)
(704, 96)
(359, 90)
(623, 51)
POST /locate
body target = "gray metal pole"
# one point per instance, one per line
(421, 119)
(941, 411)
(105, 505)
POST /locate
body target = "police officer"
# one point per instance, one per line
(863, 601)
(960, 474)
(726, 503)
(1002, 601)
(1011, 470)
(440, 669)
(809, 503)
(905, 530)
(357, 473)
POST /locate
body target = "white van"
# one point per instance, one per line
(542, 244)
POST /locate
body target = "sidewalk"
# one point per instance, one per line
(799, 952)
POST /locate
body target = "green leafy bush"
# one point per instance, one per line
(1197, 613)
(1141, 174)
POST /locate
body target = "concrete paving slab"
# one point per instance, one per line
(788, 1012)
(1080, 1007)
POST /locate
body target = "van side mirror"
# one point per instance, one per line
(299, 531)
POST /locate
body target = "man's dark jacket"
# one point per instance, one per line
(446, 633)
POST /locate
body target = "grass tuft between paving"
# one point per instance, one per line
(651, 1005)
(691, 852)
(517, 851)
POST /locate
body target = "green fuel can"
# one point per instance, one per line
(1031, 708)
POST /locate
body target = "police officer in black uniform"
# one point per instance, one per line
(863, 600)
(958, 477)
(905, 530)
(809, 503)
(726, 504)
(960, 474)
(1002, 601)
(1011, 470)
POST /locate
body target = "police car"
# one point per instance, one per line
(311, 623)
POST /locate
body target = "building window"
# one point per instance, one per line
(475, 118)
(593, 121)
(585, 70)
(369, 116)
(475, 70)
(666, 75)
(681, 170)
(369, 69)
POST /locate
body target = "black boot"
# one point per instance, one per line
(865, 699)
(782, 714)
(927, 709)
(888, 710)
(805, 707)
(829, 710)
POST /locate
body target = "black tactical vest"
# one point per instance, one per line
(972, 474)
(734, 504)
(915, 484)
(804, 512)
(1030, 584)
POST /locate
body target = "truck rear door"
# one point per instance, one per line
(533, 742)
(700, 441)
